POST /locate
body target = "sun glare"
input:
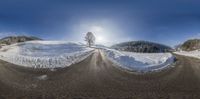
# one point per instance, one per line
(99, 39)
(97, 29)
(98, 32)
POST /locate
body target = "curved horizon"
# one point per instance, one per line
(167, 22)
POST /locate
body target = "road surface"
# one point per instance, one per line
(97, 77)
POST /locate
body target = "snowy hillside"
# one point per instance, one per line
(142, 47)
(44, 54)
(195, 53)
(140, 62)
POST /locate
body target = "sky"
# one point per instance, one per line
(169, 22)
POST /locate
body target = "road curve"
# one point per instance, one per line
(97, 77)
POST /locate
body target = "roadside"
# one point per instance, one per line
(98, 77)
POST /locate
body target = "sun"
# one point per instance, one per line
(100, 39)
(99, 33)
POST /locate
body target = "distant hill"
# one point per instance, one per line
(15, 39)
(177, 47)
(142, 46)
(189, 45)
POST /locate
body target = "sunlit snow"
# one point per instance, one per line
(195, 53)
(45, 54)
(140, 62)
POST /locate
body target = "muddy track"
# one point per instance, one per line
(97, 77)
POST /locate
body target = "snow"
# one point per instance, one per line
(195, 53)
(45, 54)
(140, 62)
(55, 54)
(42, 77)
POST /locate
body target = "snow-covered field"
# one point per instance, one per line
(53, 54)
(45, 54)
(195, 53)
(140, 62)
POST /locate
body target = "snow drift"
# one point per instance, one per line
(195, 53)
(45, 54)
(140, 62)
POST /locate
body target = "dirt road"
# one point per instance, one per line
(97, 77)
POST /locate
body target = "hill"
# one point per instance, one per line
(189, 45)
(15, 39)
(142, 47)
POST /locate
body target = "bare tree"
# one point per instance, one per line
(90, 39)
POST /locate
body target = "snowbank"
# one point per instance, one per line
(44, 54)
(140, 62)
(195, 53)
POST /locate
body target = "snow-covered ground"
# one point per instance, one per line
(45, 54)
(53, 54)
(195, 53)
(140, 62)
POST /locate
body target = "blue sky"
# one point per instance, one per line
(168, 22)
